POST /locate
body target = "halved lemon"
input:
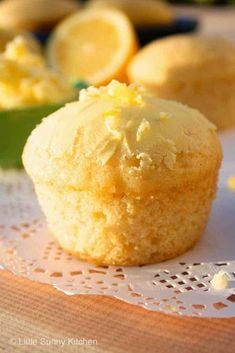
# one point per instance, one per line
(93, 45)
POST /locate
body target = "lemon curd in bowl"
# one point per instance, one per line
(29, 90)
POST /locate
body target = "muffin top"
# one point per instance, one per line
(183, 58)
(120, 139)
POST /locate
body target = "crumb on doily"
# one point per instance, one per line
(172, 308)
(220, 280)
(231, 182)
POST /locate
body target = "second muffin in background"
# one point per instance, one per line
(193, 70)
(124, 178)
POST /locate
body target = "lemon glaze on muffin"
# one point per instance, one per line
(123, 177)
(196, 71)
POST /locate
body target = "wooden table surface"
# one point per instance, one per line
(35, 311)
(33, 314)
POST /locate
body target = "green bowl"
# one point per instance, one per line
(15, 127)
(17, 124)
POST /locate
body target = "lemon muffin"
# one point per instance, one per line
(34, 15)
(124, 178)
(193, 70)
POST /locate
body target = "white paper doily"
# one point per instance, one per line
(180, 286)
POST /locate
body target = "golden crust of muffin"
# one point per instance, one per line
(128, 230)
(183, 58)
(122, 140)
(36, 14)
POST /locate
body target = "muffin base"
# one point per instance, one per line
(125, 229)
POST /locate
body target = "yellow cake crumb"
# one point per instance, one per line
(220, 280)
(231, 182)
(172, 308)
(163, 116)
